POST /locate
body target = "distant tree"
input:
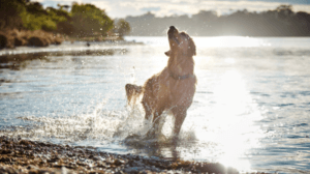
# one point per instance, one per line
(10, 11)
(87, 19)
(205, 15)
(149, 15)
(24, 14)
(284, 13)
(122, 27)
(284, 8)
(62, 19)
(36, 17)
(63, 6)
(36, 8)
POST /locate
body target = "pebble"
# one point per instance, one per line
(24, 156)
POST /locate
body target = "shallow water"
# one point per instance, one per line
(250, 111)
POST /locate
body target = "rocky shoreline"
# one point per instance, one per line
(24, 156)
(13, 38)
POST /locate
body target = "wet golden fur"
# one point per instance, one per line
(174, 87)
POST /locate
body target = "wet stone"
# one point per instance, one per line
(25, 156)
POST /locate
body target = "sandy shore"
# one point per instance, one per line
(23, 156)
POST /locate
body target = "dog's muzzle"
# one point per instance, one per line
(176, 40)
(171, 34)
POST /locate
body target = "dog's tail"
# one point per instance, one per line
(132, 91)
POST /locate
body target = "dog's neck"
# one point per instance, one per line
(181, 65)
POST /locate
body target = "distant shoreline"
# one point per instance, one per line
(78, 46)
(10, 39)
(13, 38)
(222, 36)
(282, 21)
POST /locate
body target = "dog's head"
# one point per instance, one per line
(180, 43)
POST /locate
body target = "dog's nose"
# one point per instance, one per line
(172, 31)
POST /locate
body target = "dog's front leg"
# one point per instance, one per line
(155, 130)
(179, 114)
(148, 110)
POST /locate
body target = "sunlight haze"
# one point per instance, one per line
(123, 8)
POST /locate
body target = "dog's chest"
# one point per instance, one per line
(177, 92)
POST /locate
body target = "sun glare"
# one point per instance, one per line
(230, 126)
(229, 41)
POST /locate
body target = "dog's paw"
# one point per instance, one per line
(161, 138)
(175, 139)
(150, 134)
(155, 136)
(133, 139)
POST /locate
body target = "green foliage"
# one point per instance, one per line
(83, 19)
(87, 18)
(35, 22)
(9, 13)
(122, 27)
(58, 15)
(36, 17)
(284, 8)
(35, 8)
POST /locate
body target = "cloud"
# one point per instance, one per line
(102, 5)
(151, 9)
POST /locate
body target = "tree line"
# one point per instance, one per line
(282, 21)
(79, 20)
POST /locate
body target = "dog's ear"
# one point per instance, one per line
(168, 53)
(191, 47)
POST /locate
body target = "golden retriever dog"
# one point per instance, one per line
(174, 87)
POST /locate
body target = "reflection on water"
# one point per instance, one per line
(232, 125)
(250, 110)
(17, 61)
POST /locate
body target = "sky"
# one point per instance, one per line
(123, 8)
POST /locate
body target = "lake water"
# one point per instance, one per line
(251, 109)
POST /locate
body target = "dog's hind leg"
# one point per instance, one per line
(148, 100)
